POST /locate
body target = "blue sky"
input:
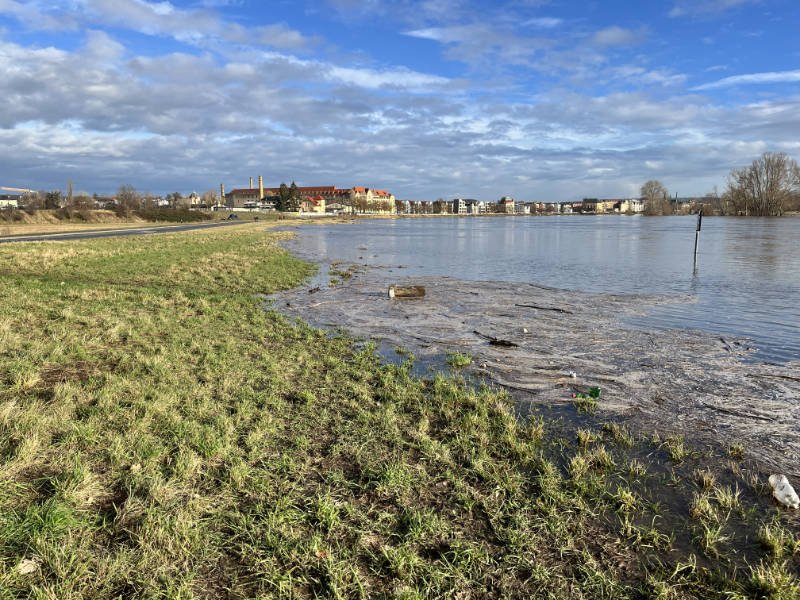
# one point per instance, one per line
(529, 98)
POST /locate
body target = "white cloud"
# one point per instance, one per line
(34, 16)
(543, 22)
(684, 8)
(641, 75)
(618, 36)
(395, 78)
(192, 26)
(434, 33)
(536, 119)
(752, 79)
(100, 46)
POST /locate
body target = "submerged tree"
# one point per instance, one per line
(656, 199)
(768, 187)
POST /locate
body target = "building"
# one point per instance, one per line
(355, 199)
(459, 206)
(330, 193)
(367, 200)
(9, 201)
(607, 205)
(626, 205)
(506, 205)
(313, 204)
(598, 205)
(243, 198)
(468, 206)
(476, 207)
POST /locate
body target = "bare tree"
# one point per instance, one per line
(656, 198)
(82, 201)
(35, 201)
(768, 187)
(128, 200)
(361, 204)
(146, 201)
(208, 198)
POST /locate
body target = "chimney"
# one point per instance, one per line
(260, 187)
(222, 194)
(251, 183)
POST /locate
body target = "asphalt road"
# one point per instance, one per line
(101, 233)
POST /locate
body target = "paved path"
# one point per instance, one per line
(99, 233)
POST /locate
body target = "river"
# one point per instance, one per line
(746, 282)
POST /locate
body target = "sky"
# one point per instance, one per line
(540, 100)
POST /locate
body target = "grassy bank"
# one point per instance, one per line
(19, 222)
(164, 436)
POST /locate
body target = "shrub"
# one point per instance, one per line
(173, 215)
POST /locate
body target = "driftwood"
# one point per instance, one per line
(553, 308)
(411, 291)
(787, 377)
(493, 341)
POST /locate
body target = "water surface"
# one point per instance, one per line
(747, 280)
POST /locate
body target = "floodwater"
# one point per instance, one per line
(746, 282)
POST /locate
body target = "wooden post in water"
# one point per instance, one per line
(697, 234)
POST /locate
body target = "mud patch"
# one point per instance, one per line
(691, 383)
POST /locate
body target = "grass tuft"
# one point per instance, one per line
(458, 360)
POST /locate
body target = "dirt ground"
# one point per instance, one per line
(692, 383)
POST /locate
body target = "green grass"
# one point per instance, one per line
(458, 360)
(164, 434)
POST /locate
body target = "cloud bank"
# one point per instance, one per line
(442, 101)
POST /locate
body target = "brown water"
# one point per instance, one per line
(746, 284)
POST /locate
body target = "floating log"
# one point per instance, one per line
(410, 291)
(493, 341)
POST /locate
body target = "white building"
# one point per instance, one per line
(459, 206)
(506, 205)
(8, 201)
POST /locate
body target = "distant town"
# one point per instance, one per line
(327, 200)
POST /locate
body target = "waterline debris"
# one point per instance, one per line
(493, 341)
(29, 565)
(783, 491)
(410, 291)
(553, 308)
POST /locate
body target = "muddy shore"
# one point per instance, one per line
(692, 383)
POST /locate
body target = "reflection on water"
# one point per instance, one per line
(747, 280)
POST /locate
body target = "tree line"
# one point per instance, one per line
(127, 199)
(768, 187)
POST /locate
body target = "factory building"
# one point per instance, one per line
(355, 199)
